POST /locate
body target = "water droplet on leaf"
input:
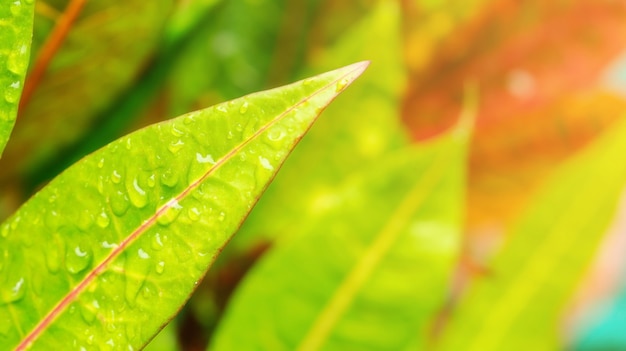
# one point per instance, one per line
(194, 214)
(174, 147)
(169, 178)
(265, 163)
(77, 259)
(137, 195)
(171, 212)
(160, 267)
(103, 220)
(119, 203)
(244, 107)
(204, 159)
(341, 85)
(116, 177)
(13, 291)
(157, 241)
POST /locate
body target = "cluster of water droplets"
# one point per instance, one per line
(14, 49)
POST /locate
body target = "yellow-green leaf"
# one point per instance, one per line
(16, 31)
(108, 252)
(370, 274)
(518, 304)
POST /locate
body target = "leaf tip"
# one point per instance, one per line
(350, 73)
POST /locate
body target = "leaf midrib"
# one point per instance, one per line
(49, 318)
(379, 247)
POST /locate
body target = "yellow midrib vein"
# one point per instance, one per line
(345, 293)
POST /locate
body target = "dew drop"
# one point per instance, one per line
(157, 241)
(54, 252)
(12, 93)
(190, 118)
(151, 181)
(341, 85)
(119, 203)
(140, 266)
(14, 291)
(171, 212)
(239, 127)
(169, 178)
(16, 7)
(265, 163)
(5, 231)
(222, 108)
(137, 195)
(222, 216)
(107, 245)
(103, 220)
(52, 220)
(176, 132)
(15, 222)
(276, 134)
(307, 81)
(244, 107)
(101, 163)
(18, 60)
(88, 313)
(194, 214)
(116, 177)
(85, 220)
(77, 259)
(229, 135)
(174, 147)
(160, 267)
(204, 159)
(142, 254)
(128, 144)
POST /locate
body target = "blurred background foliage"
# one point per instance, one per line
(543, 232)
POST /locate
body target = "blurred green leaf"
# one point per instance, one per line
(16, 29)
(370, 274)
(362, 127)
(518, 305)
(103, 52)
(110, 249)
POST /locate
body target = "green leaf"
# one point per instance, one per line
(102, 54)
(363, 126)
(109, 250)
(16, 30)
(368, 275)
(518, 305)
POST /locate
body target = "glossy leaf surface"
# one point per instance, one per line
(103, 51)
(16, 29)
(109, 250)
(519, 303)
(372, 272)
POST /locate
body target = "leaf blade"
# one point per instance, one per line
(356, 269)
(117, 247)
(16, 24)
(520, 303)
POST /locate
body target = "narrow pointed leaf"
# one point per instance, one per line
(16, 30)
(519, 304)
(371, 273)
(110, 249)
